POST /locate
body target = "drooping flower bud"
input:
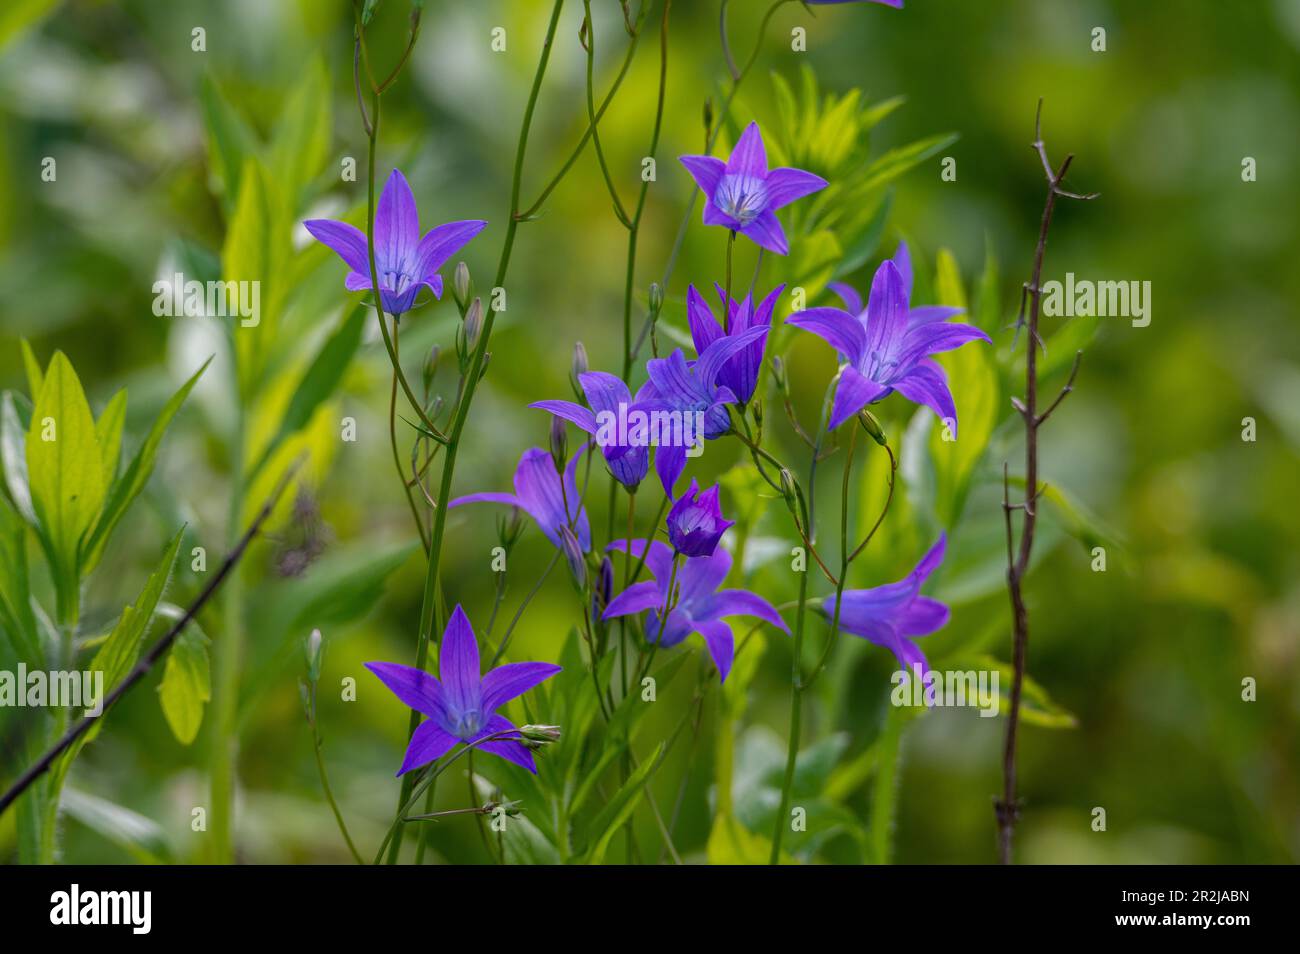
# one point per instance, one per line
(779, 375)
(603, 591)
(708, 117)
(695, 522)
(787, 485)
(872, 427)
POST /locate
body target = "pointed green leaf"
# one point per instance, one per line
(108, 431)
(35, 376)
(619, 808)
(186, 682)
(141, 837)
(127, 487)
(64, 466)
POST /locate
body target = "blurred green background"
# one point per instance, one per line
(1201, 589)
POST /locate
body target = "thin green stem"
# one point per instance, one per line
(471, 383)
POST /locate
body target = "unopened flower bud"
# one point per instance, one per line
(430, 368)
(787, 484)
(872, 427)
(559, 444)
(656, 299)
(574, 557)
(313, 647)
(536, 736)
(579, 365)
(473, 323)
(603, 591)
(779, 375)
(708, 116)
(460, 284)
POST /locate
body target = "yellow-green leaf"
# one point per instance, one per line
(108, 431)
(186, 684)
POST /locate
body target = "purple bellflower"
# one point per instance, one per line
(694, 391)
(695, 523)
(404, 261)
(893, 614)
(606, 394)
(740, 374)
(700, 605)
(743, 194)
(461, 707)
(887, 348)
(539, 494)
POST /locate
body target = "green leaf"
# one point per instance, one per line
(15, 587)
(141, 837)
(256, 250)
(895, 162)
(186, 682)
(619, 808)
(731, 843)
(1036, 705)
(35, 376)
(129, 485)
(19, 16)
(117, 655)
(318, 383)
(301, 142)
(64, 470)
(108, 432)
(973, 380)
(15, 418)
(230, 141)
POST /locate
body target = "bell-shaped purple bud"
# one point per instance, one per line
(695, 523)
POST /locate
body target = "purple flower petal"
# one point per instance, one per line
(849, 295)
(513, 679)
(744, 603)
(440, 244)
(704, 327)
(924, 314)
(670, 461)
(927, 384)
(507, 749)
(903, 262)
(430, 741)
(722, 645)
(839, 329)
(458, 665)
(854, 392)
(934, 337)
(909, 655)
(415, 687)
(573, 413)
(765, 230)
(922, 617)
(698, 577)
(397, 227)
(637, 598)
(346, 240)
(886, 308)
(715, 216)
(786, 185)
(659, 560)
(717, 354)
(706, 171)
(749, 158)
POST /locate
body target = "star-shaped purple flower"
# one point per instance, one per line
(692, 388)
(404, 261)
(700, 605)
(539, 494)
(743, 194)
(893, 614)
(695, 523)
(462, 706)
(740, 373)
(888, 347)
(608, 398)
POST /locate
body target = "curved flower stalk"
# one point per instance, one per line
(608, 398)
(887, 348)
(461, 707)
(740, 373)
(553, 504)
(405, 261)
(895, 614)
(743, 194)
(690, 589)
